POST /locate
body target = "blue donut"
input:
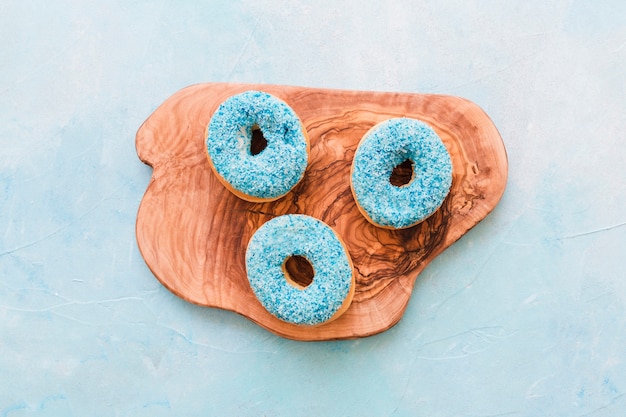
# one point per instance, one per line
(331, 290)
(276, 169)
(384, 147)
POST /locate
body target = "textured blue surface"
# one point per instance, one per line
(524, 316)
(388, 145)
(274, 171)
(299, 235)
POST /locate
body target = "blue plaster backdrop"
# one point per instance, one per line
(524, 316)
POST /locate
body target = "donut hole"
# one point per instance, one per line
(258, 142)
(298, 271)
(402, 174)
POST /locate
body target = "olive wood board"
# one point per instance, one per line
(192, 232)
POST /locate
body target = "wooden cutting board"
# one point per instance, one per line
(193, 233)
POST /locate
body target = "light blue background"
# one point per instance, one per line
(524, 316)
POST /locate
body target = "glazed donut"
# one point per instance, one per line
(276, 165)
(325, 296)
(386, 146)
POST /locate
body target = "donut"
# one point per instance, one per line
(400, 142)
(327, 293)
(257, 146)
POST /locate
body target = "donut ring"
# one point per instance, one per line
(331, 290)
(386, 146)
(273, 171)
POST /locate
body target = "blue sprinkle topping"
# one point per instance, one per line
(386, 146)
(278, 167)
(298, 234)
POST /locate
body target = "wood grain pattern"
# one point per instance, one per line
(193, 233)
